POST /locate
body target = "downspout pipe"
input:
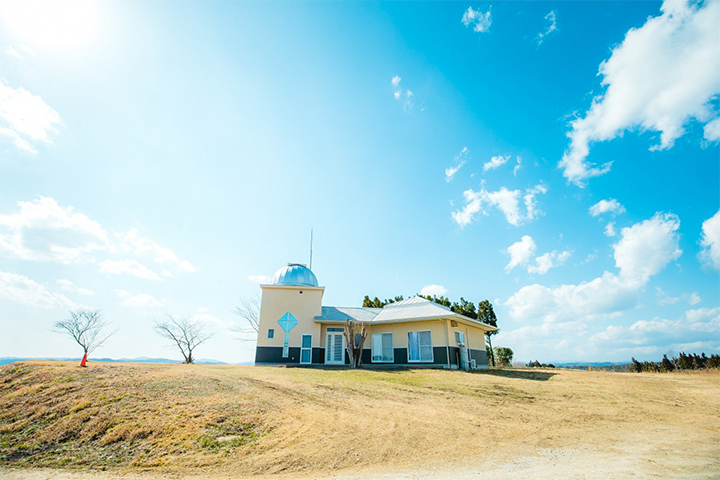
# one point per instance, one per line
(447, 343)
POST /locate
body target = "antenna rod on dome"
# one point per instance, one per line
(311, 239)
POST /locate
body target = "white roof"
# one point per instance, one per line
(412, 309)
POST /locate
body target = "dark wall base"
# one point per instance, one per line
(273, 355)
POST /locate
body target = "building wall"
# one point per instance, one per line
(278, 300)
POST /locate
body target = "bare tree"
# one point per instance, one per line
(355, 335)
(86, 328)
(249, 310)
(183, 332)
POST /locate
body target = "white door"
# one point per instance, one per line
(335, 349)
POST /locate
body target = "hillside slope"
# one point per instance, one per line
(239, 420)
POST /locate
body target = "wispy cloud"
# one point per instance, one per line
(460, 160)
(507, 201)
(551, 27)
(128, 267)
(406, 98)
(495, 162)
(69, 286)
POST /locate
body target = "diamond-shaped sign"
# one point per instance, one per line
(287, 321)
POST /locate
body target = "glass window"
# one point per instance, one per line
(271, 332)
(460, 338)
(306, 349)
(420, 346)
(382, 347)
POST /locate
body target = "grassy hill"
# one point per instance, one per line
(241, 420)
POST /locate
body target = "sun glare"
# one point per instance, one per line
(50, 23)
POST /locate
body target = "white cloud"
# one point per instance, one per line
(128, 267)
(43, 230)
(69, 286)
(26, 118)
(495, 162)
(397, 94)
(551, 27)
(433, 290)
(604, 206)
(21, 289)
(507, 201)
(142, 300)
(262, 279)
(610, 229)
(663, 75)
(480, 21)
(522, 253)
(694, 299)
(643, 250)
(396, 80)
(548, 260)
(710, 241)
(134, 242)
(647, 247)
(460, 160)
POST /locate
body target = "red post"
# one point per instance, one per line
(84, 361)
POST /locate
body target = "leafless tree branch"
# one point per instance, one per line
(185, 333)
(86, 328)
(249, 310)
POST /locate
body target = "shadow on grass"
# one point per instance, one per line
(519, 374)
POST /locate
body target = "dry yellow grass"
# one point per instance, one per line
(244, 421)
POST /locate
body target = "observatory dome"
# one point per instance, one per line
(295, 274)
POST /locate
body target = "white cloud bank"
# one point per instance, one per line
(701, 323)
(710, 241)
(480, 21)
(43, 230)
(507, 201)
(662, 76)
(21, 289)
(433, 290)
(643, 250)
(26, 118)
(460, 160)
(522, 253)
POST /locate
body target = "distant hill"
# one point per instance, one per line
(209, 361)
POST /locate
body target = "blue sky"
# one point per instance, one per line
(558, 158)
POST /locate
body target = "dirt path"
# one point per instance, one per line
(632, 461)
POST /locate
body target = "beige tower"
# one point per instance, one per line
(288, 331)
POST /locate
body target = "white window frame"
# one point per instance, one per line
(432, 352)
(392, 348)
(303, 348)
